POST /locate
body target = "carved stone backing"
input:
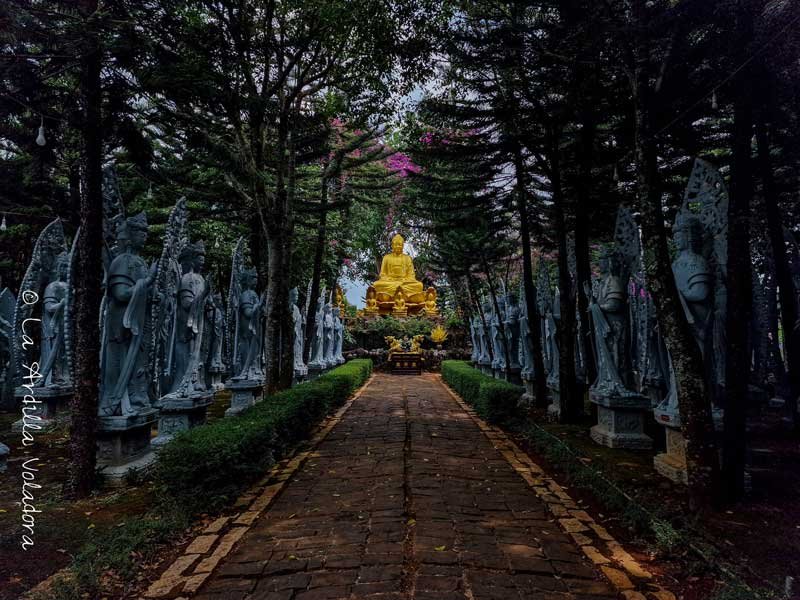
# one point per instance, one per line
(165, 288)
(50, 243)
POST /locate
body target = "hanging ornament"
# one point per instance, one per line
(216, 242)
(3, 225)
(150, 192)
(40, 139)
(714, 100)
(616, 174)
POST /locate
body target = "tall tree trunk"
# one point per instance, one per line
(571, 401)
(583, 271)
(280, 231)
(783, 274)
(531, 304)
(316, 276)
(693, 398)
(88, 274)
(739, 276)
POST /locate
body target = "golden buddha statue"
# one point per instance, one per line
(397, 270)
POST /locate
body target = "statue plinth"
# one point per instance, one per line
(123, 444)
(620, 419)
(180, 413)
(245, 393)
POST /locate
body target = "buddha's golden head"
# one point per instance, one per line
(397, 244)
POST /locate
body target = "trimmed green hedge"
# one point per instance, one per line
(493, 399)
(205, 467)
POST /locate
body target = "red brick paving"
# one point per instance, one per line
(406, 499)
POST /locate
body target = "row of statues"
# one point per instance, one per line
(168, 341)
(634, 373)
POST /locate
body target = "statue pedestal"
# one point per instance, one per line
(620, 421)
(554, 409)
(244, 394)
(300, 374)
(216, 383)
(672, 463)
(180, 413)
(529, 396)
(51, 407)
(400, 313)
(123, 444)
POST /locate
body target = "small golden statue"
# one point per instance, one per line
(400, 309)
(371, 302)
(430, 303)
(340, 300)
(416, 343)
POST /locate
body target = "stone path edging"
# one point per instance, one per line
(217, 540)
(624, 572)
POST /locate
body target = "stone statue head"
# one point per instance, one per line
(293, 294)
(248, 278)
(397, 244)
(61, 268)
(193, 256)
(217, 299)
(688, 232)
(132, 232)
(610, 261)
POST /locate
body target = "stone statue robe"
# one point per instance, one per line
(608, 310)
(299, 329)
(473, 333)
(186, 363)
(328, 337)
(215, 318)
(248, 300)
(525, 345)
(338, 328)
(512, 328)
(252, 367)
(318, 346)
(52, 361)
(124, 381)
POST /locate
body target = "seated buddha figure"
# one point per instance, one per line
(397, 270)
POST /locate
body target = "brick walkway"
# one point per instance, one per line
(406, 498)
